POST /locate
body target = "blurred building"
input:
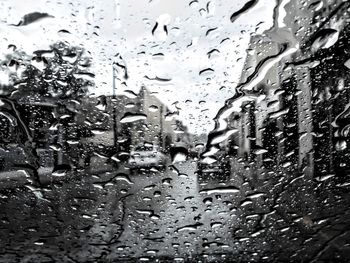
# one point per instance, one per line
(119, 123)
(314, 72)
(65, 134)
(158, 129)
(299, 119)
(330, 82)
(256, 116)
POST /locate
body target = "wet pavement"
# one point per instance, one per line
(152, 216)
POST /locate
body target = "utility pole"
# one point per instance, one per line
(161, 126)
(113, 102)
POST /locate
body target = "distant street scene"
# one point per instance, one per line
(126, 176)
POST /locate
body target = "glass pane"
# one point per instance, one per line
(174, 131)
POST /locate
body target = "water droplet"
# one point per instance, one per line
(247, 6)
(132, 117)
(221, 190)
(325, 39)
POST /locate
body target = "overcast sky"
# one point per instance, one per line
(110, 27)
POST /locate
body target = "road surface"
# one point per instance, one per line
(123, 216)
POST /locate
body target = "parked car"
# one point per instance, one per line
(15, 170)
(218, 171)
(146, 156)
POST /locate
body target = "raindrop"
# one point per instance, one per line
(166, 181)
(316, 6)
(189, 227)
(193, 3)
(260, 151)
(246, 203)
(324, 177)
(157, 194)
(145, 212)
(222, 136)
(32, 17)
(206, 72)
(123, 177)
(325, 39)
(208, 200)
(216, 225)
(347, 64)
(341, 145)
(221, 190)
(178, 154)
(210, 30)
(247, 6)
(132, 117)
(213, 52)
(158, 79)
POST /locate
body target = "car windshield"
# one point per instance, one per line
(175, 131)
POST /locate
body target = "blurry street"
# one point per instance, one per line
(134, 216)
(141, 215)
(175, 131)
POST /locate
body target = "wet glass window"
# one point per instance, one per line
(175, 131)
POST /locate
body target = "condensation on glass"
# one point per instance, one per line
(175, 131)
